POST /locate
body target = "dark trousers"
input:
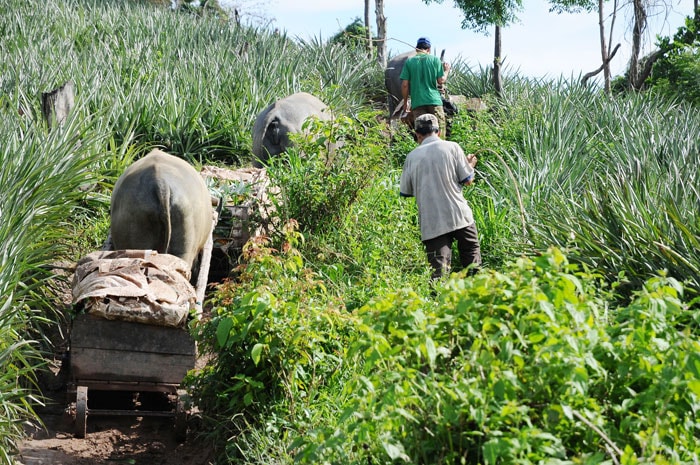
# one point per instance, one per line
(439, 250)
(436, 110)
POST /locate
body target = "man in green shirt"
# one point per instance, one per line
(420, 77)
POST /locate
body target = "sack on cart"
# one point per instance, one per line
(141, 286)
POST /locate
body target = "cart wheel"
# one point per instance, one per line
(181, 416)
(81, 412)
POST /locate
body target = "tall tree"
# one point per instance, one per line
(381, 32)
(368, 28)
(479, 15)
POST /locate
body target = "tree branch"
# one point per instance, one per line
(609, 443)
(646, 69)
(589, 75)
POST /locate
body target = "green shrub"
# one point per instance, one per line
(676, 73)
(528, 365)
(323, 174)
(278, 339)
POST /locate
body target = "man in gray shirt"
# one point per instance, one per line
(434, 173)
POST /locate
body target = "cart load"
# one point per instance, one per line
(140, 286)
(245, 210)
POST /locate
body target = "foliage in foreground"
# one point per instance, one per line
(43, 176)
(526, 365)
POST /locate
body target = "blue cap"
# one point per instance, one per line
(423, 43)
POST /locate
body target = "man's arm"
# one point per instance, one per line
(445, 70)
(471, 159)
(405, 92)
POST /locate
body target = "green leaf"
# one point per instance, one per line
(223, 330)
(257, 352)
(493, 449)
(431, 352)
(395, 451)
(695, 386)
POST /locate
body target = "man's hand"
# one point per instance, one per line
(471, 159)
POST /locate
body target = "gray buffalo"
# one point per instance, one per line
(274, 124)
(392, 79)
(161, 203)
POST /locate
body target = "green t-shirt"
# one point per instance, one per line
(422, 71)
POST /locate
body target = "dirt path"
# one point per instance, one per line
(120, 440)
(110, 440)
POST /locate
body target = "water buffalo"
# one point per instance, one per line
(274, 124)
(392, 79)
(161, 203)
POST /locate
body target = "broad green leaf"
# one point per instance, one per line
(223, 330)
(494, 449)
(395, 451)
(256, 352)
(694, 386)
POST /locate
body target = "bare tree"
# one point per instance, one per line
(497, 80)
(640, 24)
(640, 68)
(576, 6)
(368, 29)
(381, 32)
(603, 47)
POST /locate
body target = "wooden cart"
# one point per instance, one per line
(114, 355)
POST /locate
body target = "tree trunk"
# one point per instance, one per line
(497, 82)
(381, 33)
(640, 23)
(368, 29)
(603, 48)
(57, 104)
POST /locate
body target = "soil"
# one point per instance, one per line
(110, 440)
(130, 439)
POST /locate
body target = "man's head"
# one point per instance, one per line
(423, 44)
(426, 124)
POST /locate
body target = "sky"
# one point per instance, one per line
(541, 44)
